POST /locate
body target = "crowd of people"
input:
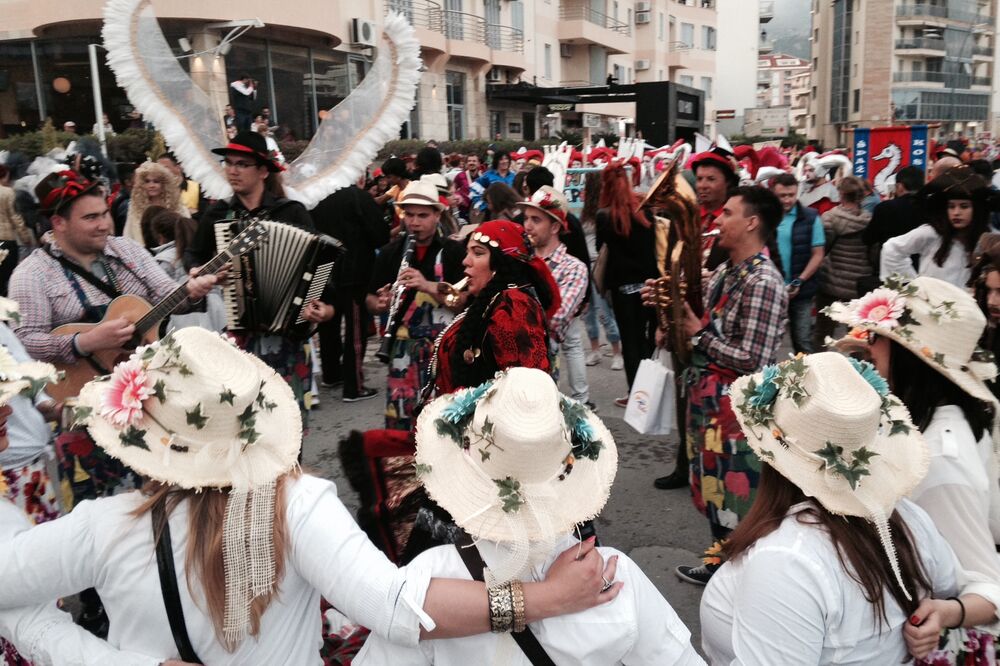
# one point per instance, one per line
(852, 495)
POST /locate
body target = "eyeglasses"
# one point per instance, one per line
(239, 166)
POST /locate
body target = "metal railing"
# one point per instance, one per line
(679, 46)
(458, 25)
(704, 4)
(948, 79)
(765, 46)
(928, 43)
(767, 10)
(919, 9)
(420, 13)
(982, 50)
(577, 12)
(504, 38)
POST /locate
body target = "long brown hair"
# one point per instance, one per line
(620, 200)
(856, 540)
(206, 514)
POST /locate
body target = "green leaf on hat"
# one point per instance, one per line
(132, 436)
(898, 428)
(863, 456)
(446, 428)
(160, 390)
(830, 454)
(148, 353)
(487, 427)
(184, 370)
(226, 396)
(196, 418)
(484, 454)
(421, 469)
(80, 416)
(510, 494)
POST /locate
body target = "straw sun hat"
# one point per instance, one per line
(829, 425)
(513, 460)
(937, 321)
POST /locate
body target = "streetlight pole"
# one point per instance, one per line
(95, 80)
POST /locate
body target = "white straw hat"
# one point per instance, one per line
(23, 378)
(829, 425)
(939, 322)
(420, 193)
(513, 459)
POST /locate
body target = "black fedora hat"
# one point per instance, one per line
(251, 143)
(58, 190)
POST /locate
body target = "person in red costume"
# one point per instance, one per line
(715, 179)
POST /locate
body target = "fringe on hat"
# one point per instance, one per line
(248, 556)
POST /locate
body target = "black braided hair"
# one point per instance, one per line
(472, 329)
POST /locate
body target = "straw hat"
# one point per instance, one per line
(550, 201)
(420, 193)
(193, 410)
(513, 460)
(829, 425)
(27, 378)
(939, 322)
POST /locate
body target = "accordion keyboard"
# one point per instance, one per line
(224, 234)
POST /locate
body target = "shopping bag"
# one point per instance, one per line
(651, 409)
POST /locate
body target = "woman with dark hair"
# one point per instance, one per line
(499, 172)
(985, 284)
(922, 338)
(599, 310)
(146, 226)
(501, 201)
(628, 233)
(957, 214)
(832, 565)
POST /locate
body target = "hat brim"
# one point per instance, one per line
(472, 499)
(528, 204)
(900, 463)
(94, 184)
(420, 202)
(29, 372)
(274, 453)
(233, 149)
(963, 377)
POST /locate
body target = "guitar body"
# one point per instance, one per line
(131, 308)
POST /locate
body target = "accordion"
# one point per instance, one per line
(270, 286)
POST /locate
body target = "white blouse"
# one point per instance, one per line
(102, 545)
(788, 600)
(44, 634)
(924, 241)
(639, 627)
(961, 493)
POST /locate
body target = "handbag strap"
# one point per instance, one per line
(168, 587)
(526, 640)
(111, 290)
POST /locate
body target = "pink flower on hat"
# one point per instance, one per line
(129, 387)
(881, 307)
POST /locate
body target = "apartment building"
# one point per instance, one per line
(901, 62)
(775, 73)
(312, 53)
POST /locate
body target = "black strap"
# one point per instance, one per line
(525, 640)
(168, 586)
(97, 282)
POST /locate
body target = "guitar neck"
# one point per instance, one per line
(178, 296)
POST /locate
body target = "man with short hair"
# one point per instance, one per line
(463, 181)
(242, 94)
(69, 126)
(801, 242)
(894, 217)
(816, 191)
(715, 178)
(544, 220)
(739, 334)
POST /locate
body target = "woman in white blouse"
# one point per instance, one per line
(831, 565)
(518, 466)
(254, 542)
(957, 214)
(928, 352)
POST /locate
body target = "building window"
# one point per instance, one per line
(659, 26)
(455, 84)
(614, 10)
(687, 34)
(517, 15)
(547, 62)
(492, 23)
(618, 73)
(496, 124)
(856, 105)
(708, 38)
(706, 85)
(453, 28)
(686, 80)
(628, 14)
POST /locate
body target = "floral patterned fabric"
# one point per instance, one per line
(724, 470)
(963, 647)
(289, 358)
(341, 644)
(87, 472)
(9, 656)
(32, 490)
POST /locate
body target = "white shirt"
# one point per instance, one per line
(100, 544)
(788, 600)
(27, 430)
(45, 635)
(960, 492)
(638, 627)
(924, 241)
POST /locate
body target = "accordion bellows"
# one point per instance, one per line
(271, 285)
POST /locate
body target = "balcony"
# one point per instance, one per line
(921, 45)
(936, 13)
(982, 52)
(766, 11)
(703, 4)
(765, 46)
(579, 24)
(945, 79)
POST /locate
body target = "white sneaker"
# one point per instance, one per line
(608, 350)
(618, 362)
(593, 358)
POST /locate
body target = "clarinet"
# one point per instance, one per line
(398, 291)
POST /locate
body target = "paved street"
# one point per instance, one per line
(658, 529)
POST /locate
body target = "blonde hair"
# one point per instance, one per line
(204, 560)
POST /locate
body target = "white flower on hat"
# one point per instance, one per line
(8, 366)
(881, 307)
(122, 400)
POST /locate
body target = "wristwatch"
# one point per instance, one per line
(696, 338)
(797, 282)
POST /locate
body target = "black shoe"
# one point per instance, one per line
(363, 394)
(699, 575)
(334, 384)
(671, 481)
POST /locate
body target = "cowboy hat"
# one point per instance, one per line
(421, 193)
(56, 191)
(23, 378)
(254, 145)
(550, 201)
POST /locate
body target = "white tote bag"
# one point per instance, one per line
(651, 409)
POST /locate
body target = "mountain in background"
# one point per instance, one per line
(790, 28)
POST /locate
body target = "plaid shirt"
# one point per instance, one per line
(48, 299)
(571, 275)
(746, 314)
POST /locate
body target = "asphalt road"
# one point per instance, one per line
(659, 529)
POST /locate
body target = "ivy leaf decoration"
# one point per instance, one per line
(510, 494)
(160, 390)
(487, 430)
(132, 436)
(226, 396)
(764, 453)
(184, 370)
(196, 418)
(446, 428)
(80, 415)
(148, 354)
(484, 454)
(899, 427)
(421, 469)
(863, 456)
(830, 454)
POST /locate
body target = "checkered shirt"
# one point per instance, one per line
(571, 275)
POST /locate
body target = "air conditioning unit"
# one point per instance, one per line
(642, 65)
(565, 51)
(642, 17)
(495, 75)
(363, 32)
(643, 6)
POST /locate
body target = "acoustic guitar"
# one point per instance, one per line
(144, 316)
